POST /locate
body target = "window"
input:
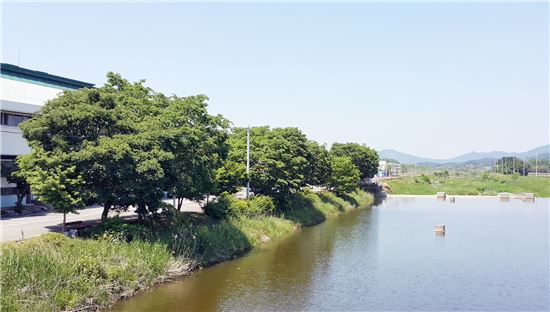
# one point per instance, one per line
(11, 119)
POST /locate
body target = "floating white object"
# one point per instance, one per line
(452, 199)
(441, 195)
(503, 196)
(440, 228)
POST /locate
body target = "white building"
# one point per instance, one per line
(382, 168)
(387, 169)
(22, 93)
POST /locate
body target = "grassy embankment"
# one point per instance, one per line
(52, 272)
(486, 184)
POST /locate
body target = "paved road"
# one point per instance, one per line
(30, 226)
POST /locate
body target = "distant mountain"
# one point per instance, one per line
(542, 151)
(476, 163)
(404, 158)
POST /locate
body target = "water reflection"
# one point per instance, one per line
(493, 256)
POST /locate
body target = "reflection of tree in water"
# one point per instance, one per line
(353, 260)
(280, 276)
(382, 258)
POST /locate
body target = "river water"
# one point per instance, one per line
(493, 256)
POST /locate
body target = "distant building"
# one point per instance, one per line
(395, 169)
(22, 93)
(382, 168)
(387, 169)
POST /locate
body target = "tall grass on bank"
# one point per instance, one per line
(54, 273)
(309, 208)
(486, 184)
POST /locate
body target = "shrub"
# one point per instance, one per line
(425, 179)
(116, 229)
(228, 205)
(219, 208)
(259, 205)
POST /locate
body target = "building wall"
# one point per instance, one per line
(14, 89)
(7, 200)
(22, 93)
(19, 96)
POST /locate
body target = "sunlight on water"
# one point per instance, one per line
(493, 256)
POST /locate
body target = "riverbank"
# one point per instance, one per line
(435, 196)
(333, 266)
(53, 273)
(484, 185)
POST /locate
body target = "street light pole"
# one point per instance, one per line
(248, 161)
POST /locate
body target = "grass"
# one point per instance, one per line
(486, 184)
(54, 273)
(306, 209)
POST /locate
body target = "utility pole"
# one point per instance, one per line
(514, 166)
(248, 161)
(523, 166)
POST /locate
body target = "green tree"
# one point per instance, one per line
(130, 143)
(319, 165)
(197, 141)
(345, 175)
(511, 165)
(53, 181)
(363, 157)
(230, 177)
(105, 134)
(540, 164)
(282, 160)
(9, 171)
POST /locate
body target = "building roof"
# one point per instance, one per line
(10, 71)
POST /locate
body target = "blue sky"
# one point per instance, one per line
(432, 79)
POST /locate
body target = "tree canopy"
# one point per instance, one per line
(282, 160)
(124, 145)
(345, 175)
(54, 180)
(363, 157)
(510, 165)
(130, 143)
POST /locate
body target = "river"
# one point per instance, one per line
(493, 256)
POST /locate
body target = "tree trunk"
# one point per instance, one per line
(19, 204)
(105, 213)
(64, 219)
(20, 198)
(141, 211)
(180, 203)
